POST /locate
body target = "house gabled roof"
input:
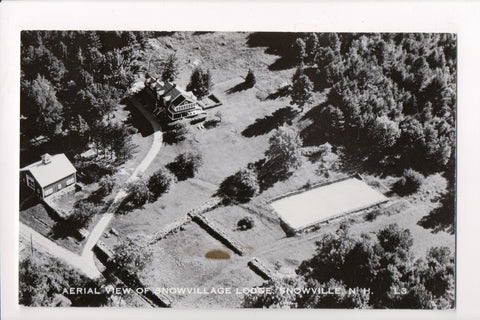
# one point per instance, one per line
(58, 168)
(170, 92)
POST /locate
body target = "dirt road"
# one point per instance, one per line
(85, 261)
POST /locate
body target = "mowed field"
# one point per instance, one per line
(179, 259)
(224, 149)
(180, 262)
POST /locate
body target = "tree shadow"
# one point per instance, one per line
(269, 173)
(174, 135)
(62, 230)
(210, 124)
(137, 120)
(199, 33)
(93, 172)
(314, 135)
(280, 93)
(277, 43)
(441, 218)
(238, 88)
(96, 196)
(283, 63)
(264, 125)
(29, 198)
(57, 144)
(314, 113)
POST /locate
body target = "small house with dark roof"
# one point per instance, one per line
(173, 100)
(50, 175)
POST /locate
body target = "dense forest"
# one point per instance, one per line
(72, 80)
(392, 97)
(390, 103)
(383, 104)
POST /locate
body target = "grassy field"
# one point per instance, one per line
(179, 259)
(183, 261)
(224, 149)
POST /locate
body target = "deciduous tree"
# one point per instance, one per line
(284, 148)
(159, 183)
(240, 187)
(132, 255)
(186, 165)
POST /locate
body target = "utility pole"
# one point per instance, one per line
(31, 243)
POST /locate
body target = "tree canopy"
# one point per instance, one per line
(71, 75)
(186, 165)
(200, 82)
(383, 263)
(391, 96)
(132, 255)
(170, 68)
(42, 281)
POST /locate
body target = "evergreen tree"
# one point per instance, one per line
(301, 91)
(200, 82)
(299, 50)
(170, 68)
(250, 79)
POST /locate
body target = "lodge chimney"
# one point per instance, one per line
(46, 159)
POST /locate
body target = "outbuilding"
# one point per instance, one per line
(50, 175)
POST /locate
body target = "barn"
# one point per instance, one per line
(50, 175)
(300, 210)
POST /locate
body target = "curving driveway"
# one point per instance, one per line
(85, 261)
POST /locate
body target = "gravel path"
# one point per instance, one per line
(85, 261)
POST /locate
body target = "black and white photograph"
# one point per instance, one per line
(239, 161)
(237, 169)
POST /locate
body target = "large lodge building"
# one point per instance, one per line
(173, 100)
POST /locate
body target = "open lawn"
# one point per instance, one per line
(169, 207)
(248, 118)
(180, 262)
(223, 148)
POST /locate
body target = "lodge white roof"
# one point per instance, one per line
(46, 174)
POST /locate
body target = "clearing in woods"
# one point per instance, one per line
(248, 118)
